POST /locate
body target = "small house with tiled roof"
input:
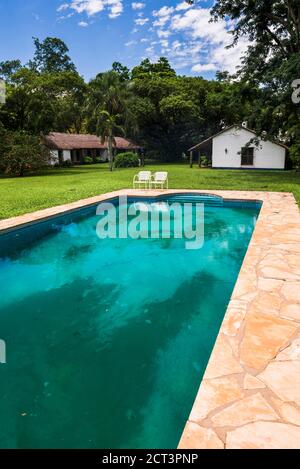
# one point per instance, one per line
(238, 147)
(75, 147)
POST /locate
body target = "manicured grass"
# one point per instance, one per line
(58, 186)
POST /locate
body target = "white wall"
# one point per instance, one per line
(66, 155)
(267, 155)
(54, 157)
(104, 155)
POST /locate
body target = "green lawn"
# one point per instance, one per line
(58, 186)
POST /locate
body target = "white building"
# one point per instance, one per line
(75, 147)
(238, 147)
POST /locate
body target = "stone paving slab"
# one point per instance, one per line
(250, 393)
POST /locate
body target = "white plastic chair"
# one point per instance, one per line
(142, 178)
(160, 179)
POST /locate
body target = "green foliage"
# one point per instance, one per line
(21, 153)
(88, 160)
(8, 68)
(107, 92)
(161, 69)
(271, 62)
(203, 161)
(51, 56)
(43, 102)
(122, 71)
(295, 155)
(66, 164)
(126, 160)
(163, 112)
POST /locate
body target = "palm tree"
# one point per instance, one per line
(106, 92)
(106, 106)
(107, 126)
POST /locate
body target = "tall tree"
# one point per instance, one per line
(37, 102)
(9, 68)
(272, 60)
(272, 25)
(51, 56)
(107, 126)
(161, 69)
(107, 92)
(121, 70)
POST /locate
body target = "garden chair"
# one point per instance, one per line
(143, 178)
(160, 179)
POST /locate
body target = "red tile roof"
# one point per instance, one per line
(60, 141)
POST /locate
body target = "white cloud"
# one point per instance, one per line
(92, 7)
(162, 33)
(116, 10)
(83, 24)
(176, 45)
(141, 21)
(229, 59)
(130, 43)
(163, 15)
(164, 11)
(183, 6)
(204, 67)
(63, 7)
(202, 43)
(138, 5)
(196, 23)
(164, 43)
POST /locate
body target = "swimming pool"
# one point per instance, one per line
(107, 340)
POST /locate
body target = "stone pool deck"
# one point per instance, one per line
(250, 394)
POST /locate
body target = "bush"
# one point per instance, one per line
(203, 161)
(66, 164)
(98, 160)
(88, 160)
(295, 155)
(21, 152)
(126, 160)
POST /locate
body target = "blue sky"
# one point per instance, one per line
(99, 32)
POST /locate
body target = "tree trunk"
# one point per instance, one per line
(110, 152)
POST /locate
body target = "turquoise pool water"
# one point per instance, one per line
(107, 340)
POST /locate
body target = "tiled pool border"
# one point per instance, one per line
(250, 393)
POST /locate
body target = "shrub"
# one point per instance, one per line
(66, 164)
(295, 155)
(126, 160)
(22, 152)
(88, 160)
(98, 160)
(203, 161)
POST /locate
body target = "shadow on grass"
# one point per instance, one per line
(59, 172)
